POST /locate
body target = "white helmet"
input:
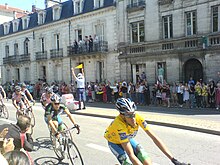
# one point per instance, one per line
(125, 106)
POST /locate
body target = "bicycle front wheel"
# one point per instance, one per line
(5, 112)
(74, 154)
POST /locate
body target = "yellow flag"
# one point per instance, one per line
(79, 66)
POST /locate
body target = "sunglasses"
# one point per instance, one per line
(130, 115)
(56, 103)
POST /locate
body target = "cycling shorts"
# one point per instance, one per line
(122, 156)
(59, 120)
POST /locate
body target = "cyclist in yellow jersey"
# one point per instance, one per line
(124, 128)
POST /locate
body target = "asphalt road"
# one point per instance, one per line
(196, 148)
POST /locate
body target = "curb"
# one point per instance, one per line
(202, 130)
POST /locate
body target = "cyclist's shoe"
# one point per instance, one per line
(176, 162)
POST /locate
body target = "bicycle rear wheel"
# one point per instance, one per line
(5, 111)
(74, 154)
(31, 115)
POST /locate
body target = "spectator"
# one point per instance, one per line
(76, 46)
(14, 131)
(17, 158)
(96, 42)
(90, 43)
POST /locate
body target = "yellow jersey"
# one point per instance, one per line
(120, 132)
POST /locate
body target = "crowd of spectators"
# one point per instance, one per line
(191, 94)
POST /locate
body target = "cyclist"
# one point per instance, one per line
(124, 128)
(27, 93)
(19, 99)
(52, 115)
(45, 97)
(2, 95)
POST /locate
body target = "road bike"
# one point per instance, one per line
(28, 111)
(64, 147)
(4, 111)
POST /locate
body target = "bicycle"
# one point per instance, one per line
(66, 147)
(27, 112)
(4, 111)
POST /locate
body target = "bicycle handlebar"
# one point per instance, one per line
(69, 129)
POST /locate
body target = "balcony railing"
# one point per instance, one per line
(185, 44)
(136, 6)
(41, 55)
(24, 57)
(56, 53)
(164, 2)
(82, 49)
(16, 59)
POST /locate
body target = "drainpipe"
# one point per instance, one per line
(70, 57)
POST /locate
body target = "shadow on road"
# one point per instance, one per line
(48, 161)
(42, 142)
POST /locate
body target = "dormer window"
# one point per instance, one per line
(41, 17)
(57, 11)
(25, 22)
(98, 3)
(6, 27)
(15, 24)
(78, 5)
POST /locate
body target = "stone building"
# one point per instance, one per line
(132, 36)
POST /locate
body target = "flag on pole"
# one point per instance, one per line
(79, 66)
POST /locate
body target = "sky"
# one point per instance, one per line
(24, 4)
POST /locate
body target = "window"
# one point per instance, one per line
(99, 30)
(6, 51)
(98, 3)
(41, 17)
(25, 22)
(26, 47)
(15, 49)
(191, 23)
(42, 45)
(56, 11)
(78, 5)
(6, 27)
(215, 19)
(167, 27)
(78, 34)
(137, 32)
(57, 40)
(15, 24)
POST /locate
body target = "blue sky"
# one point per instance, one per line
(24, 4)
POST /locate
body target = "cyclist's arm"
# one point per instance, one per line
(159, 144)
(129, 150)
(15, 104)
(29, 95)
(26, 101)
(69, 115)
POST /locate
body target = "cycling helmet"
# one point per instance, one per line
(23, 85)
(17, 88)
(125, 106)
(55, 98)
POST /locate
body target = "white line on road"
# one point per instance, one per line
(98, 147)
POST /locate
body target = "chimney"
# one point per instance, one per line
(6, 6)
(33, 8)
(14, 14)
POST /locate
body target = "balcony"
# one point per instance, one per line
(14, 59)
(186, 44)
(132, 7)
(165, 2)
(24, 57)
(41, 56)
(82, 49)
(56, 53)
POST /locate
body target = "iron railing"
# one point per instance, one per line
(56, 53)
(41, 55)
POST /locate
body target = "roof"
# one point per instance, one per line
(66, 12)
(19, 12)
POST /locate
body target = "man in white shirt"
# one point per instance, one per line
(80, 79)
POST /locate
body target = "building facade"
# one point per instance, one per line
(129, 37)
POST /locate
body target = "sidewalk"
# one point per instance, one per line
(176, 120)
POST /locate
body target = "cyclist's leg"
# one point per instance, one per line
(120, 154)
(140, 152)
(61, 126)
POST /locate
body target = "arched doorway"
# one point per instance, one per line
(193, 68)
